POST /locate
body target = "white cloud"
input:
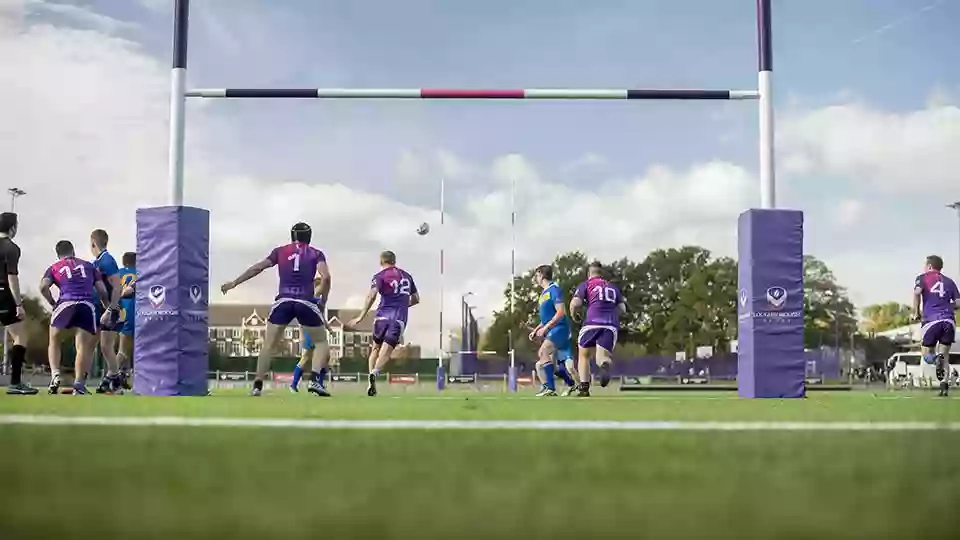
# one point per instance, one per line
(80, 15)
(891, 152)
(848, 212)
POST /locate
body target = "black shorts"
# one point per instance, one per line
(8, 308)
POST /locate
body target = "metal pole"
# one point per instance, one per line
(178, 92)
(768, 192)
(512, 376)
(956, 206)
(441, 376)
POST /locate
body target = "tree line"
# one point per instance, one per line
(678, 299)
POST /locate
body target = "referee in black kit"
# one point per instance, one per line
(11, 303)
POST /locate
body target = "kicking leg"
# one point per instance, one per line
(270, 342)
(371, 367)
(943, 368)
(604, 360)
(320, 356)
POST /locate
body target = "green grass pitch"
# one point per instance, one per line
(255, 482)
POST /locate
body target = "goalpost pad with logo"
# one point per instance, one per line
(170, 354)
(770, 361)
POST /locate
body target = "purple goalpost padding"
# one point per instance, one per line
(771, 241)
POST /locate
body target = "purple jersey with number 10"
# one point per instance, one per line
(74, 278)
(395, 287)
(603, 300)
(939, 295)
(296, 266)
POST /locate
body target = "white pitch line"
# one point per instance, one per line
(515, 425)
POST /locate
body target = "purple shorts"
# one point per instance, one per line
(75, 314)
(597, 336)
(389, 331)
(942, 331)
(285, 310)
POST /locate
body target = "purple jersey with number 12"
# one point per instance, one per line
(603, 300)
(395, 287)
(75, 278)
(296, 266)
(939, 295)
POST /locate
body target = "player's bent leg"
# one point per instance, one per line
(318, 337)
(265, 358)
(546, 369)
(125, 357)
(583, 366)
(943, 367)
(306, 357)
(604, 361)
(54, 352)
(108, 348)
(86, 344)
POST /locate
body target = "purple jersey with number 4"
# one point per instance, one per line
(74, 278)
(938, 294)
(296, 266)
(395, 287)
(603, 300)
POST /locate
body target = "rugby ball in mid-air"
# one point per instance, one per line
(423, 229)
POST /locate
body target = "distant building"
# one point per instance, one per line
(238, 330)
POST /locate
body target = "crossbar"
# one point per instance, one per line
(468, 93)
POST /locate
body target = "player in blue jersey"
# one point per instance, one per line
(128, 314)
(939, 298)
(555, 352)
(110, 273)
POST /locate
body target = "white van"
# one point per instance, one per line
(909, 369)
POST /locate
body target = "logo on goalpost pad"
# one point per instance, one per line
(157, 295)
(776, 297)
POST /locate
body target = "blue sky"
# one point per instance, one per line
(865, 94)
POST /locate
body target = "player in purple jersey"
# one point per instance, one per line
(939, 298)
(81, 287)
(298, 266)
(398, 293)
(605, 305)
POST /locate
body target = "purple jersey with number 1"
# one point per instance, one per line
(296, 266)
(602, 322)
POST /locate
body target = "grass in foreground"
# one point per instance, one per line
(247, 483)
(278, 483)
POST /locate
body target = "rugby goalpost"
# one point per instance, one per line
(172, 311)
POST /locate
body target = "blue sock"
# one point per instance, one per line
(565, 375)
(551, 383)
(297, 375)
(930, 358)
(322, 376)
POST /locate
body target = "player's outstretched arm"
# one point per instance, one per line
(45, 285)
(367, 305)
(248, 274)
